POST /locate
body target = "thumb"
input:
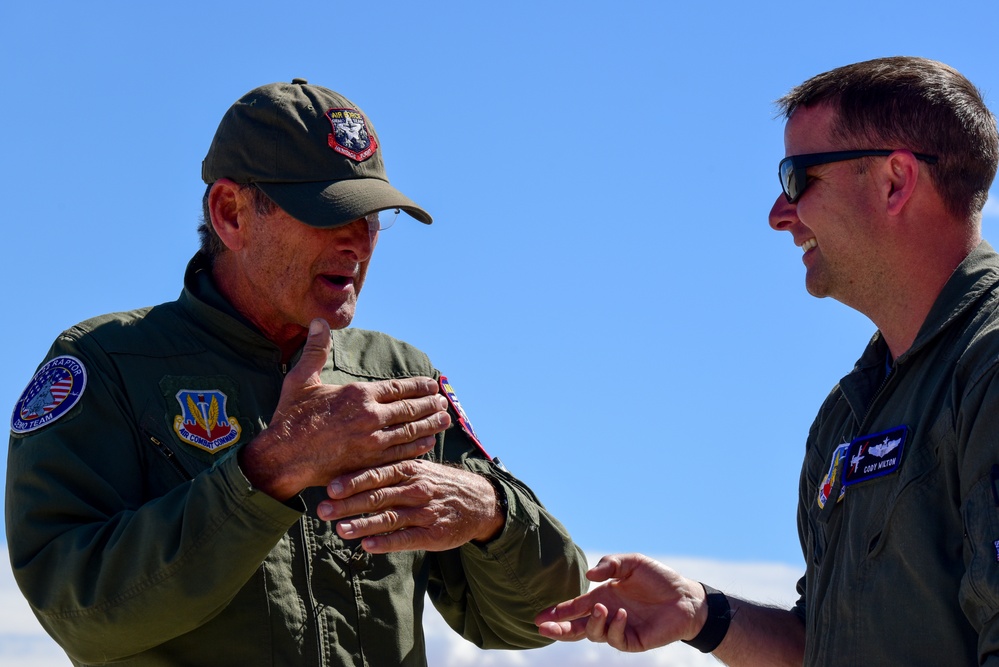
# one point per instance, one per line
(314, 355)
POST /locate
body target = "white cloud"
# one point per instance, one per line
(23, 643)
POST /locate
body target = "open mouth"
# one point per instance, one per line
(339, 281)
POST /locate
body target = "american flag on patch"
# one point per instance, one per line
(50, 394)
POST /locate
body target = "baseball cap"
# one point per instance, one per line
(309, 149)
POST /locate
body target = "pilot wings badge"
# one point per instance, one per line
(203, 421)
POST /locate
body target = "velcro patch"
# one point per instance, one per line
(463, 420)
(350, 135)
(874, 455)
(829, 482)
(55, 388)
(203, 420)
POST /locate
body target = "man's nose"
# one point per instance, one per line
(356, 238)
(783, 214)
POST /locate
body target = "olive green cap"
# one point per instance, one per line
(311, 150)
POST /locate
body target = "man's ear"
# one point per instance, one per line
(225, 201)
(901, 173)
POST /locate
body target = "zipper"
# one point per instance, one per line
(312, 609)
(169, 456)
(826, 513)
(877, 394)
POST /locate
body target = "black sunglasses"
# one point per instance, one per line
(793, 170)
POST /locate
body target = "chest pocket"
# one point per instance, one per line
(902, 502)
(192, 424)
(867, 510)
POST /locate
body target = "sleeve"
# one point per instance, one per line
(490, 593)
(978, 454)
(91, 552)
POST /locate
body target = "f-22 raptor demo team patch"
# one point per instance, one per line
(53, 391)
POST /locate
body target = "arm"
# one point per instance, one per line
(497, 560)
(644, 605)
(491, 592)
(977, 425)
(109, 571)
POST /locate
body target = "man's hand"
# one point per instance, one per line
(644, 605)
(413, 505)
(319, 431)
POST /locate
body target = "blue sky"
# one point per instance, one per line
(600, 284)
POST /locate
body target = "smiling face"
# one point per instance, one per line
(281, 273)
(835, 221)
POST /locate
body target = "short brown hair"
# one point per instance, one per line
(914, 103)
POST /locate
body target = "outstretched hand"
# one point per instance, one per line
(321, 431)
(643, 605)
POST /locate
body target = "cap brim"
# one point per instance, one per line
(330, 204)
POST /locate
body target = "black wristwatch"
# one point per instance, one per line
(716, 627)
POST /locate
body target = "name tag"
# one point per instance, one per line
(874, 455)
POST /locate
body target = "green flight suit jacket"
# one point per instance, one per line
(137, 540)
(899, 499)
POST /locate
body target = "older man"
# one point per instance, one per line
(236, 477)
(889, 163)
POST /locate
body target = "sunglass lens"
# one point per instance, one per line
(789, 180)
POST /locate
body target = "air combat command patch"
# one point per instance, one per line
(203, 421)
(55, 388)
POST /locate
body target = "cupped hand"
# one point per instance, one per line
(642, 605)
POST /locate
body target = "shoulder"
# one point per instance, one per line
(150, 331)
(374, 354)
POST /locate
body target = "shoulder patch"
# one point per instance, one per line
(463, 420)
(829, 482)
(203, 420)
(53, 391)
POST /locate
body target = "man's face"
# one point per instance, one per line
(834, 220)
(289, 273)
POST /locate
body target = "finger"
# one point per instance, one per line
(564, 632)
(315, 354)
(596, 626)
(616, 630)
(349, 485)
(409, 539)
(387, 391)
(570, 609)
(606, 568)
(377, 524)
(406, 432)
(410, 450)
(408, 410)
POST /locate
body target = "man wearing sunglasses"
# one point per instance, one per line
(889, 164)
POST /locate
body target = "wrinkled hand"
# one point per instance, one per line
(644, 605)
(411, 505)
(321, 431)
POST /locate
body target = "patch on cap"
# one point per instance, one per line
(52, 392)
(350, 135)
